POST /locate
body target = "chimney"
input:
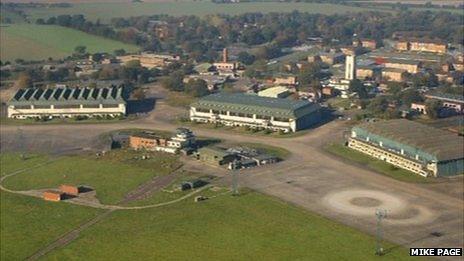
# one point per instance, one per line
(225, 55)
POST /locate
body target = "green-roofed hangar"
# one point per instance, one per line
(67, 102)
(412, 146)
(256, 112)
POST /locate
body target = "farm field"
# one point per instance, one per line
(250, 226)
(112, 176)
(106, 11)
(37, 42)
(28, 224)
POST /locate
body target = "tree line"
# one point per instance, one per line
(200, 38)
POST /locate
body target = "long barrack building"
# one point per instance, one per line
(67, 102)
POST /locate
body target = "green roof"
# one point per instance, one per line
(442, 144)
(253, 104)
(68, 96)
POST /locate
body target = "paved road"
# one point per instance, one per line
(306, 179)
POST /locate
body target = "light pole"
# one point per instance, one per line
(380, 214)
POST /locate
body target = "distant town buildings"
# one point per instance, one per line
(450, 101)
(419, 45)
(275, 92)
(418, 148)
(366, 43)
(393, 74)
(409, 66)
(214, 82)
(350, 67)
(256, 112)
(149, 60)
(285, 80)
(67, 102)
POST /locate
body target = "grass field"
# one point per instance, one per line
(375, 164)
(112, 175)
(28, 224)
(38, 42)
(12, 162)
(105, 11)
(247, 227)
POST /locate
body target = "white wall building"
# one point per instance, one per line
(254, 111)
(67, 102)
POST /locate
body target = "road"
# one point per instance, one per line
(309, 178)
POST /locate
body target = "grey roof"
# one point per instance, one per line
(253, 104)
(68, 96)
(393, 70)
(442, 144)
(446, 96)
(402, 61)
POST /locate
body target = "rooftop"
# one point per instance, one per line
(254, 104)
(273, 91)
(397, 70)
(439, 143)
(68, 96)
(402, 61)
(446, 96)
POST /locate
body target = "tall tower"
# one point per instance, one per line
(225, 55)
(350, 67)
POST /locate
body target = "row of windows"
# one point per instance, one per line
(93, 106)
(392, 157)
(67, 106)
(239, 114)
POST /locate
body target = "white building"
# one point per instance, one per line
(254, 111)
(350, 67)
(67, 102)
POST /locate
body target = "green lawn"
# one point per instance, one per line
(375, 164)
(29, 224)
(112, 176)
(38, 42)
(11, 162)
(251, 226)
(105, 11)
(248, 227)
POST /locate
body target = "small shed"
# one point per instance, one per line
(69, 189)
(52, 195)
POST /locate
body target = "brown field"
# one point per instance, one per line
(86, 1)
(437, 2)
